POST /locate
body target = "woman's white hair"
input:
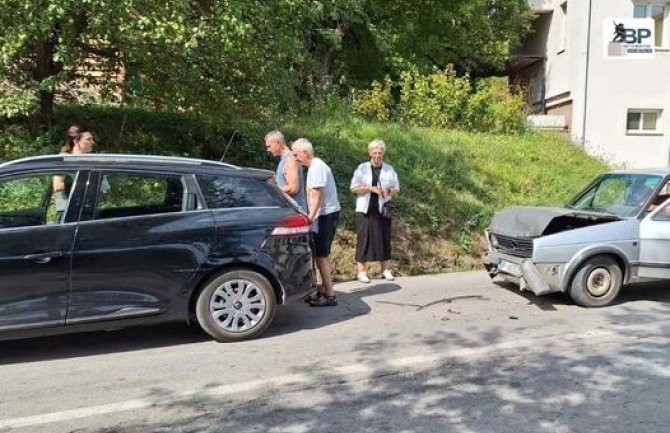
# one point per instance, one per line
(377, 144)
(303, 144)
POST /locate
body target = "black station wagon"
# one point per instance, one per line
(146, 239)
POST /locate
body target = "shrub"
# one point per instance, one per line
(493, 108)
(445, 100)
(17, 142)
(375, 103)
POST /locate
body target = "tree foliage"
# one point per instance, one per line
(445, 100)
(245, 58)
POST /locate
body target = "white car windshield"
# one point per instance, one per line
(618, 194)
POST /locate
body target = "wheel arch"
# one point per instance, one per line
(236, 266)
(578, 260)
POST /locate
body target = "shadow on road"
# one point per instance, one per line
(290, 318)
(657, 291)
(544, 303)
(300, 316)
(97, 343)
(602, 389)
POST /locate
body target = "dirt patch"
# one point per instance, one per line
(412, 253)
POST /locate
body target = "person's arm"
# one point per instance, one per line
(292, 176)
(360, 189)
(58, 183)
(315, 201)
(358, 185)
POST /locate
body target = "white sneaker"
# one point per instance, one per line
(388, 276)
(363, 277)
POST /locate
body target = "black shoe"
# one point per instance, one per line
(324, 301)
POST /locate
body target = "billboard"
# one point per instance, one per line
(628, 38)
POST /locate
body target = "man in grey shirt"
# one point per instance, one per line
(324, 209)
(288, 175)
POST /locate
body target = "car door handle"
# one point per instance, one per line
(42, 258)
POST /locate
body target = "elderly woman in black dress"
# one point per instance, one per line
(375, 183)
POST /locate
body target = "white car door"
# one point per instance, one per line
(655, 243)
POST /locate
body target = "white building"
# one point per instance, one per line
(618, 108)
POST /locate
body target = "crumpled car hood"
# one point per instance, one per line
(526, 221)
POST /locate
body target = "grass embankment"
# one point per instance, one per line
(451, 182)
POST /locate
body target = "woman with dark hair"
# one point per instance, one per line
(71, 134)
(79, 140)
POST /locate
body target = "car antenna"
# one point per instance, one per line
(228, 145)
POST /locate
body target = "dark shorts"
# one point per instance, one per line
(323, 239)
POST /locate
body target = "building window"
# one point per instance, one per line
(643, 121)
(657, 13)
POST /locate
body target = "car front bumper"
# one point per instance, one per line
(538, 278)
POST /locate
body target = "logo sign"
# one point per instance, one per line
(628, 38)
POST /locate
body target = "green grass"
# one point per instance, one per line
(451, 182)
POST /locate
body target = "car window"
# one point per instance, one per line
(619, 194)
(29, 200)
(231, 191)
(662, 196)
(132, 194)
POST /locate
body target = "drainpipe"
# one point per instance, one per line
(586, 78)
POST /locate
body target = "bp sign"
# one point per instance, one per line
(628, 38)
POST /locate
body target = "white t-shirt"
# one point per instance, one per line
(319, 175)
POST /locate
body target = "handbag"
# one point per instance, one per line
(387, 208)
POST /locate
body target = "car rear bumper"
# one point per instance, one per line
(293, 265)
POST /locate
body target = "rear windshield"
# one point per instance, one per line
(222, 192)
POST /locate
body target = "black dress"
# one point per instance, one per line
(373, 232)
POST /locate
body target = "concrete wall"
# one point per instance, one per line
(558, 52)
(565, 110)
(540, 5)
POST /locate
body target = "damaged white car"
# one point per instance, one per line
(616, 231)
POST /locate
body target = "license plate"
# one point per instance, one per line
(509, 268)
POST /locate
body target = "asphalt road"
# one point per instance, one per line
(442, 353)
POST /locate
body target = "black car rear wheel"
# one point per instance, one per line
(597, 283)
(236, 305)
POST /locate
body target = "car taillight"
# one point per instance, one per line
(292, 225)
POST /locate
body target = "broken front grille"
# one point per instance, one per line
(520, 247)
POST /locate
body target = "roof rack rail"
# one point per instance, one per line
(29, 159)
(120, 158)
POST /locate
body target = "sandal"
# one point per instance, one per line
(324, 301)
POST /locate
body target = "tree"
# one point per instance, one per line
(206, 55)
(249, 58)
(476, 36)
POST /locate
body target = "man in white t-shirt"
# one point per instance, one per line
(324, 209)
